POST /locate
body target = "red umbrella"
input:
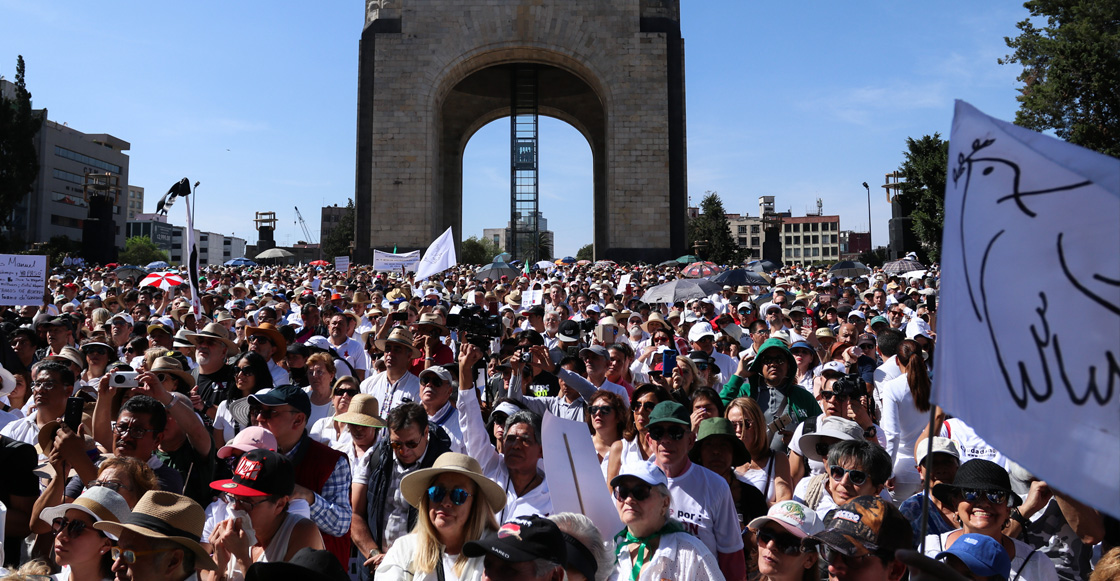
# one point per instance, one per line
(701, 269)
(319, 263)
(163, 280)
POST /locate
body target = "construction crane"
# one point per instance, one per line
(302, 224)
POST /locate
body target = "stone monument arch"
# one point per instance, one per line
(433, 72)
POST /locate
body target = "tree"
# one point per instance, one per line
(876, 257)
(477, 250)
(544, 242)
(19, 162)
(338, 240)
(57, 249)
(586, 252)
(140, 250)
(922, 195)
(712, 226)
(1071, 71)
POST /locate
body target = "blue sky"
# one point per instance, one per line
(258, 102)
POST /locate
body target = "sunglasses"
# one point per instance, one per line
(784, 542)
(349, 392)
(259, 338)
(398, 446)
(114, 486)
(130, 556)
(772, 361)
(996, 497)
(828, 394)
(74, 528)
(639, 492)
(600, 409)
(857, 477)
(266, 413)
(675, 433)
(243, 370)
(643, 406)
(458, 495)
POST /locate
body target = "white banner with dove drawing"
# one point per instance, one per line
(1029, 324)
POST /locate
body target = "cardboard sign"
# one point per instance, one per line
(23, 279)
(342, 263)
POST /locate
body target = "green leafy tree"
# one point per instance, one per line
(586, 252)
(140, 250)
(1071, 71)
(545, 245)
(712, 226)
(876, 257)
(922, 195)
(475, 250)
(338, 240)
(19, 162)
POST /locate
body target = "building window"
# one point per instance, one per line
(67, 176)
(789, 240)
(63, 152)
(816, 252)
(816, 239)
(797, 227)
(754, 240)
(742, 240)
(789, 227)
(742, 229)
(797, 240)
(754, 228)
(833, 239)
(789, 252)
(797, 253)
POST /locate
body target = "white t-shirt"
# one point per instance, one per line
(970, 445)
(352, 352)
(701, 500)
(390, 395)
(319, 412)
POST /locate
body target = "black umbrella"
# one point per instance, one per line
(764, 265)
(681, 289)
(848, 268)
(900, 266)
(739, 277)
(496, 270)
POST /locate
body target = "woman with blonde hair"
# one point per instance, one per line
(685, 381)
(456, 504)
(767, 471)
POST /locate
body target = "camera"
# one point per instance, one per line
(476, 326)
(850, 385)
(124, 379)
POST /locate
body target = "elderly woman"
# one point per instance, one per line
(778, 536)
(456, 503)
(320, 371)
(359, 422)
(653, 546)
(766, 471)
(327, 429)
(633, 446)
(81, 550)
(259, 493)
(984, 502)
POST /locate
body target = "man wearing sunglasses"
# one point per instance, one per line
(381, 515)
(860, 538)
(701, 499)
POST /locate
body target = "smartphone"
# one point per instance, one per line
(73, 415)
(429, 303)
(400, 316)
(668, 362)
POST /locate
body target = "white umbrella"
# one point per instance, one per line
(274, 253)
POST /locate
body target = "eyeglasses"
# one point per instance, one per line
(398, 445)
(772, 361)
(243, 370)
(639, 492)
(259, 338)
(266, 413)
(675, 433)
(246, 502)
(437, 493)
(857, 477)
(349, 392)
(644, 406)
(829, 394)
(111, 485)
(996, 497)
(44, 385)
(431, 381)
(600, 409)
(74, 528)
(131, 431)
(129, 556)
(784, 542)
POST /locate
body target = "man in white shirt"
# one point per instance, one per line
(347, 348)
(396, 384)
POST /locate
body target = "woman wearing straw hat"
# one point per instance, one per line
(82, 551)
(456, 504)
(360, 421)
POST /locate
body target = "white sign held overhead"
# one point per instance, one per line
(387, 261)
(575, 479)
(342, 263)
(1029, 325)
(533, 297)
(23, 279)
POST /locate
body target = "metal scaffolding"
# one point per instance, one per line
(524, 238)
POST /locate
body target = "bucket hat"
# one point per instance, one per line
(167, 516)
(415, 485)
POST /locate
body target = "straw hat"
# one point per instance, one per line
(167, 516)
(98, 502)
(415, 484)
(170, 365)
(269, 330)
(362, 412)
(432, 320)
(513, 299)
(655, 317)
(401, 336)
(217, 332)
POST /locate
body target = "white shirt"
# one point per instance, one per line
(390, 395)
(679, 556)
(970, 445)
(23, 429)
(702, 501)
(448, 418)
(279, 374)
(902, 423)
(352, 352)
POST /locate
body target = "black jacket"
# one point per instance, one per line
(377, 493)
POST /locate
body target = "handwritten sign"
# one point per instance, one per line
(387, 261)
(533, 297)
(23, 279)
(342, 263)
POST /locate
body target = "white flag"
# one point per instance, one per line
(439, 257)
(1029, 324)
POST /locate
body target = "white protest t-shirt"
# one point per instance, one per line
(969, 444)
(701, 500)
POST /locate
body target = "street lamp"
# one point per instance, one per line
(868, 188)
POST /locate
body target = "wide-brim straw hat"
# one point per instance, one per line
(170, 365)
(655, 317)
(415, 484)
(270, 330)
(401, 336)
(432, 320)
(100, 503)
(362, 411)
(167, 516)
(215, 331)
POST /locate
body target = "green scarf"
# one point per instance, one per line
(624, 539)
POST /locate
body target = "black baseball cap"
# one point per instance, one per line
(260, 473)
(284, 395)
(568, 331)
(524, 538)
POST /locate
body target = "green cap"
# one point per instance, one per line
(879, 319)
(715, 427)
(671, 412)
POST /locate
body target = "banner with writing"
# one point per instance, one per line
(23, 279)
(342, 263)
(384, 261)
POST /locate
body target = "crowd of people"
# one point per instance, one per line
(361, 425)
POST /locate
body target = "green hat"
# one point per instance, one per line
(714, 427)
(773, 344)
(879, 319)
(670, 412)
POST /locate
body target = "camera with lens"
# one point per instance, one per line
(587, 326)
(851, 386)
(476, 326)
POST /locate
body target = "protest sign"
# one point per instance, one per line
(575, 479)
(1029, 324)
(23, 279)
(342, 263)
(386, 261)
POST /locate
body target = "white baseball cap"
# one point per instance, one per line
(647, 472)
(800, 520)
